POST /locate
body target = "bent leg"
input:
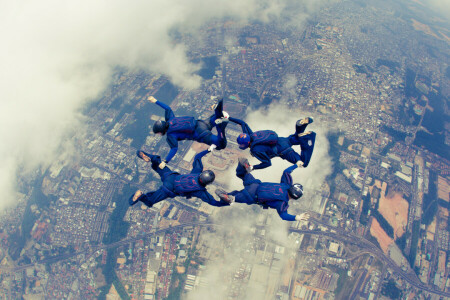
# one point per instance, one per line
(247, 178)
(218, 113)
(143, 155)
(291, 156)
(307, 147)
(152, 198)
(300, 126)
(241, 171)
(219, 140)
(205, 136)
(241, 197)
(154, 159)
(285, 151)
(246, 195)
(306, 143)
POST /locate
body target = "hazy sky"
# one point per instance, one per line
(58, 55)
(441, 6)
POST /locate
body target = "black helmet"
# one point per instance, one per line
(206, 177)
(296, 191)
(160, 127)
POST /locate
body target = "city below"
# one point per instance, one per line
(377, 187)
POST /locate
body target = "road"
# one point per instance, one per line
(340, 235)
(65, 257)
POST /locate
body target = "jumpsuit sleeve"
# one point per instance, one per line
(173, 143)
(245, 128)
(286, 177)
(286, 216)
(197, 165)
(169, 112)
(208, 198)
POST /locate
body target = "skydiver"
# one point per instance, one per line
(187, 128)
(266, 194)
(265, 144)
(174, 184)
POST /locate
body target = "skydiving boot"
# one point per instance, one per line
(135, 198)
(143, 155)
(244, 162)
(154, 159)
(300, 126)
(221, 115)
(304, 133)
(223, 196)
(218, 108)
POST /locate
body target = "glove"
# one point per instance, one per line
(225, 118)
(162, 165)
(212, 148)
(299, 164)
(151, 99)
(248, 168)
(302, 217)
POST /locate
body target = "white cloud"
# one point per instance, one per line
(441, 6)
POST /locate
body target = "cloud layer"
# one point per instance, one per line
(441, 6)
(56, 56)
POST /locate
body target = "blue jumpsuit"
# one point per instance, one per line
(169, 178)
(283, 149)
(202, 132)
(268, 195)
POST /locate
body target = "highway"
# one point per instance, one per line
(65, 257)
(411, 278)
(346, 237)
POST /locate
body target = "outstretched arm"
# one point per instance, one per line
(197, 165)
(286, 177)
(173, 143)
(245, 128)
(169, 112)
(286, 216)
(208, 198)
